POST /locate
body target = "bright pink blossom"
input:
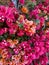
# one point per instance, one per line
(22, 1)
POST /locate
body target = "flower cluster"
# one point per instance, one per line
(21, 53)
(39, 12)
(24, 36)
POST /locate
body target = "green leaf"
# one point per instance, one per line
(27, 16)
(5, 35)
(23, 38)
(12, 36)
(1, 38)
(31, 5)
(37, 21)
(21, 25)
(20, 39)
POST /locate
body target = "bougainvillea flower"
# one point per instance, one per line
(24, 35)
(22, 1)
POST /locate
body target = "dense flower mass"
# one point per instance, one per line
(24, 35)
